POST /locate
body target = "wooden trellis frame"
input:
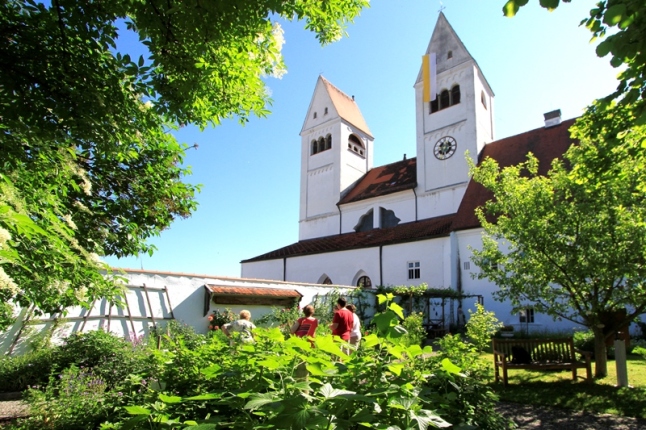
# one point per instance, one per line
(107, 316)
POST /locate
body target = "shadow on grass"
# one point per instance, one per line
(581, 396)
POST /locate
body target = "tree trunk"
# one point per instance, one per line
(600, 353)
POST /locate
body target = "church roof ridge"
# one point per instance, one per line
(346, 106)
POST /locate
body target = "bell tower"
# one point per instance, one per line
(336, 150)
(460, 119)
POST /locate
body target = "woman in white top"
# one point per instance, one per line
(355, 333)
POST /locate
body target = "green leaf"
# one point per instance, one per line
(210, 396)
(396, 368)
(450, 367)
(328, 392)
(549, 4)
(614, 14)
(604, 48)
(260, 400)
(169, 399)
(397, 309)
(137, 410)
(510, 8)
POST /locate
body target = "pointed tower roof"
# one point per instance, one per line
(343, 105)
(443, 40)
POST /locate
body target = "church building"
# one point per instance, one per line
(412, 221)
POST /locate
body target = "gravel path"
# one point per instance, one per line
(547, 418)
(527, 417)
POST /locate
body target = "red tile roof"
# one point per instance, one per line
(545, 143)
(253, 291)
(408, 232)
(346, 107)
(383, 180)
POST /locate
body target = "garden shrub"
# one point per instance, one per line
(75, 400)
(175, 330)
(481, 327)
(19, 372)
(111, 357)
(384, 383)
(416, 333)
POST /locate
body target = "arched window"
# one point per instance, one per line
(449, 55)
(364, 282)
(355, 145)
(314, 147)
(314, 115)
(455, 95)
(445, 99)
(327, 281)
(435, 104)
(328, 141)
(483, 99)
(321, 144)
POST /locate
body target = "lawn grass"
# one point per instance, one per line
(556, 388)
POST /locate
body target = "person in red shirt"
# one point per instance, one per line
(343, 320)
(306, 326)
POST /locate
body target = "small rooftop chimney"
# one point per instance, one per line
(404, 156)
(552, 118)
(353, 98)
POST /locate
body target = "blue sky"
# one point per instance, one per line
(536, 62)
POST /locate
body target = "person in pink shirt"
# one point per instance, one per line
(343, 320)
(306, 326)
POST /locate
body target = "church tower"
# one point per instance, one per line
(336, 150)
(460, 119)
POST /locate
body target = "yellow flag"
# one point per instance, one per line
(429, 77)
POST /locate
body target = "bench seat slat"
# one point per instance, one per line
(546, 354)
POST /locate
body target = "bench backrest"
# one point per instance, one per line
(556, 350)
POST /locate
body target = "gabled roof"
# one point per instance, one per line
(408, 232)
(344, 106)
(383, 180)
(545, 143)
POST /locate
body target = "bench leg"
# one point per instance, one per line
(574, 373)
(504, 376)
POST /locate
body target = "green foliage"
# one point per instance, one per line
(111, 358)
(481, 327)
(415, 331)
(282, 318)
(620, 26)
(639, 350)
(172, 330)
(89, 167)
(75, 400)
(17, 373)
(575, 236)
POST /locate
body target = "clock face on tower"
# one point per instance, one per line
(445, 147)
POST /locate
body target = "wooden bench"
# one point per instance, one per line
(539, 354)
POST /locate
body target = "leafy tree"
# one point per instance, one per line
(621, 25)
(89, 167)
(573, 242)
(481, 327)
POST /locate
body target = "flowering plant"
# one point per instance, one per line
(219, 318)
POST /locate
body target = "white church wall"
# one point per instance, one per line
(402, 204)
(340, 267)
(432, 255)
(266, 269)
(440, 202)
